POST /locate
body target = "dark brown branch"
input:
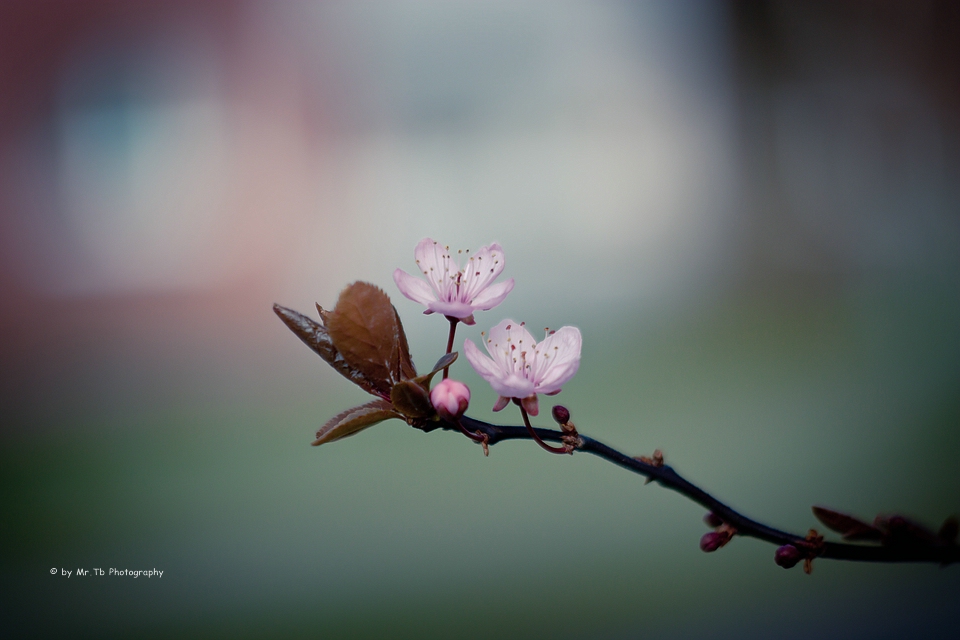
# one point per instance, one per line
(667, 477)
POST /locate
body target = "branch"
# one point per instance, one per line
(384, 369)
(907, 551)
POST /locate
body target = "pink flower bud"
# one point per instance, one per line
(713, 541)
(561, 414)
(450, 398)
(787, 556)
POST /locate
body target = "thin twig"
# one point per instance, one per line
(667, 477)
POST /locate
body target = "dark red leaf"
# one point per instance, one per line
(411, 399)
(444, 362)
(407, 370)
(366, 331)
(355, 420)
(849, 527)
(316, 336)
(901, 531)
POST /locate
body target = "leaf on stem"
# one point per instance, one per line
(900, 531)
(412, 397)
(366, 331)
(412, 400)
(849, 527)
(445, 361)
(313, 334)
(316, 336)
(363, 339)
(355, 420)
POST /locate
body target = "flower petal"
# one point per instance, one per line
(491, 296)
(483, 364)
(512, 386)
(500, 375)
(557, 377)
(414, 288)
(459, 310)
(506, 342)
(481, 269)
(433, 260)
(558, 360)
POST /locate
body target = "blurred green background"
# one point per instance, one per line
(749, 209)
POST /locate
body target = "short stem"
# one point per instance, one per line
(534, 435)
(453, 332)
(476, 437)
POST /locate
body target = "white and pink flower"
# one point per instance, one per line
(451, 289)
(519, 367)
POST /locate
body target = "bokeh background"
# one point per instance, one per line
(750, 209)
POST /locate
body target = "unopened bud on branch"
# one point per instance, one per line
(561, 414)
(450, 398)
(712, 541)
(787, 556)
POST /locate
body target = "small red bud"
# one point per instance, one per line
(561, 414)
(787, 556)
(712, 520)
(712, 541)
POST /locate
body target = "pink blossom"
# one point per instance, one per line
(520, 368)
(450, 398)
(451, 289)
